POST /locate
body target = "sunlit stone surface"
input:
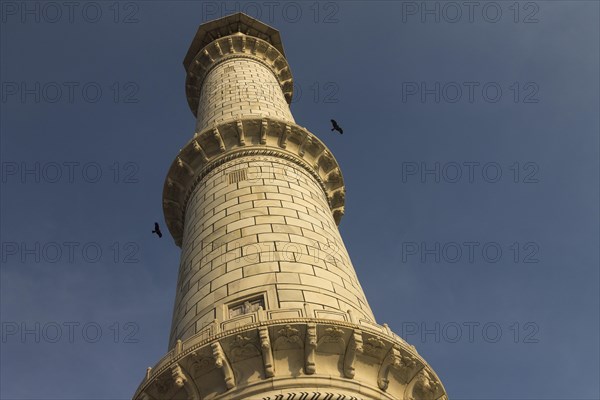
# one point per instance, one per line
(268, 305)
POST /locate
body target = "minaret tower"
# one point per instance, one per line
(268, 305)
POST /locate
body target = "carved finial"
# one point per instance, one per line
(215, 326)
(387, 329)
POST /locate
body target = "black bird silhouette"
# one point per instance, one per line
(336, 127)
(157, 230)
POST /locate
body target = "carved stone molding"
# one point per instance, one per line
(248, 137)
(201, 362)
(425, 386)
(287, 338)
(374, 347)
(331, 340)
(389, 369)
(242, 347)
(310, 396)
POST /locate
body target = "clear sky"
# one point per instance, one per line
(470, 156)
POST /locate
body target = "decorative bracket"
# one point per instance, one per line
(178, 376)
(425, 386)
(267, 352)
(306, 142)
(263, 131)
(318, 158)
(310, 348)
(181, 381)
(207, 54)
(391, 360)
(172, 182)
(185, 166)
(363, 353)
(240, 129)
(199, 149)
(219, 139)
(324, 154)
(355, 347)
(218, 47)
(284, 136)
(171, 203)
(222, 363)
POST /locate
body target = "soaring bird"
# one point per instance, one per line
(157, 230)
(336, 127)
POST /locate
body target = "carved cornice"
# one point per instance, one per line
(237, 45)
(248, 137)
(238, 22)
(308, 345)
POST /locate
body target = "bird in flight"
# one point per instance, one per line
(336, 127)
(157, 230)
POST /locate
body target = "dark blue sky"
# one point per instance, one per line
(494, 278)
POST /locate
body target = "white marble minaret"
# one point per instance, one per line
(268, 305)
